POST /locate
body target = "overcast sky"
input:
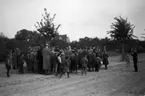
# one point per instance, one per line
(79, 18)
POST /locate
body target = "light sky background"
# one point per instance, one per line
(79, 18)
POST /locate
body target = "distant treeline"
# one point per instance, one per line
(7, 44)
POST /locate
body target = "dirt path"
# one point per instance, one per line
(118, 80)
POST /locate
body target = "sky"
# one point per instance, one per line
(78, 18)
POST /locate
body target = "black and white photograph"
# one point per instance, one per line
(72, 47)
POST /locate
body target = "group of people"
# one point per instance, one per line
(52, 60)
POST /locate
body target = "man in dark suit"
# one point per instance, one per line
(40, 60)
(135, 59)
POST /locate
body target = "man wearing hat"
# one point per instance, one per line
(46, 59)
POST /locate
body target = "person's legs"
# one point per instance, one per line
(82, 70)
(61, 71)
(8, 70)
(97, 68)
(135, 66)
(89, 66)
(45, 71)
(8, 75)
(22, 69)
(51, 67)
(85, 70)
(67, 73)
(39, 67)
(106, 67)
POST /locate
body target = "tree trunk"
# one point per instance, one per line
(123, 54)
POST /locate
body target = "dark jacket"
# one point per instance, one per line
(135, 56)
(84, 62)
(105, 59)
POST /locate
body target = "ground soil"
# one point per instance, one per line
(118, 80)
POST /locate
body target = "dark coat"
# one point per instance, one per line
(97, 61)
(67, 63)
(135, 56)
(46, 58)
(105, 59)
(40, 60)
(84, 62)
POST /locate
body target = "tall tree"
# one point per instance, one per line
(6, 45)
(22, 35)
(28, 37)
(122, 30)
(33, 38)
(46, 27)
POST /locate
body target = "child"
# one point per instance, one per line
(97, 63)
(8, 65)
(66, 66)
(84, 62)
(21, 70)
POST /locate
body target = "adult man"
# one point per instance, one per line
(46, 59)
(135, 59)
(91, 58)
(105, 60)
(14, 59)
(40, 60)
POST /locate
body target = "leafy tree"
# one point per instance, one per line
(60, 43)
(28, 37)
(95, 42)
(5, 46)
(84, 42)
(33, 38)
(22, 35)
(46, 27)
(104, 42)
(122, 30)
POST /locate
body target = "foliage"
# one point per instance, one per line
(91, 42)
(60, 43)
(121, 29)
(28, 37)
(46, 27)
(5, 46)
(22, 35)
